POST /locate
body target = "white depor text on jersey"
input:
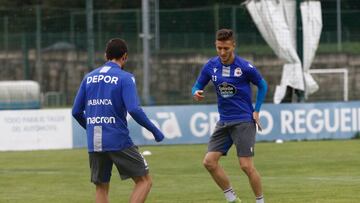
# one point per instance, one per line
(99, 78)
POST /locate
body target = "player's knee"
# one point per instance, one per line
(101, 187)
(247, 168)
(145, 181)
(209, 164)
(148, 182)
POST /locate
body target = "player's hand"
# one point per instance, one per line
(198, 96)
(256, 118)
(159, 136)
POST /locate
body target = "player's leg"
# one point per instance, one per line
(131, 164)
(141, 189)
(211, 163)
(219, 144)
(102, 191)
(100, 165)
(243, 135)
(247, 165)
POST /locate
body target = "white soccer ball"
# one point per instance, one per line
(279, 141)
(146, 153)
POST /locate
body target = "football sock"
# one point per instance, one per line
(260, 199)
(230, 194)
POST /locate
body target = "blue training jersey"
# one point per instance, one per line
(232, 84)
(105, 96)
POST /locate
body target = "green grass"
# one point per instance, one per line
(316, 171)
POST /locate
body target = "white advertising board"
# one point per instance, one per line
(35, 129)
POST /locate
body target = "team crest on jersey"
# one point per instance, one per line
(237, 72)
(226, 90)
(215, 69)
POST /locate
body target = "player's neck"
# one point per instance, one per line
(230, 61)
(118, 62)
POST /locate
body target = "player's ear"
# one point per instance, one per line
(125, 57)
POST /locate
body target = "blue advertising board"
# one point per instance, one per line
(193, 124)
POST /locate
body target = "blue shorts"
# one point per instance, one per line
(129, 162)
(241, 134)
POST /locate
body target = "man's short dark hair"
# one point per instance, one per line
(115, 49)
(224, 35)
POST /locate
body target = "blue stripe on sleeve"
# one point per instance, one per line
(262, 88)
(202, 80)
(195, 88)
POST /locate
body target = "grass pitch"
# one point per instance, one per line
(316, 171)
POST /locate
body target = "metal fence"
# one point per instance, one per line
(55, 39)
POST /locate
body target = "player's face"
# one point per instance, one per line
(225, 50)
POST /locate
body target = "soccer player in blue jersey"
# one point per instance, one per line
(105, 96)
(232, 76)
